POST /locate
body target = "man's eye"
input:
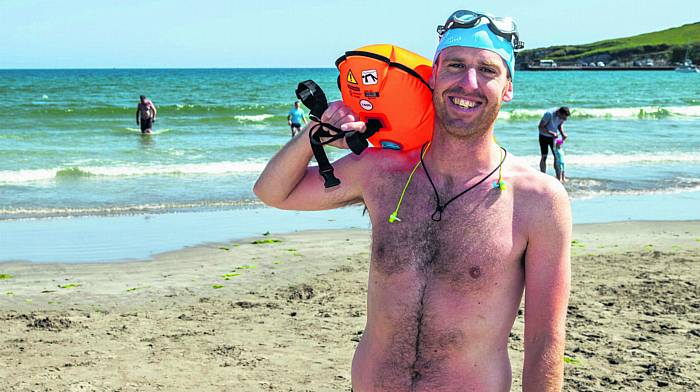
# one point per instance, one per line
(487, 70)
(456, 65)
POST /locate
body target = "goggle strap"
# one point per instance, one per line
(511, 36)
(475, 17)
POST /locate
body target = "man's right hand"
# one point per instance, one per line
(341, 116)
(289, 181)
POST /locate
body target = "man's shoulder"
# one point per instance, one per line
(388, 158)
(536, 191)
(373, 167)
(382, 161)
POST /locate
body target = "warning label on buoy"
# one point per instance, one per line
(351, 78)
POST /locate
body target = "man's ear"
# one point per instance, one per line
(508, 93)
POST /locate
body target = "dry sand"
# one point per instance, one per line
(286, 316)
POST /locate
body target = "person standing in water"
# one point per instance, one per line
(295, 118)
(559, 160)
(146, 114)
(550, 126)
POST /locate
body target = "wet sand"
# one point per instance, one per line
(285, 314)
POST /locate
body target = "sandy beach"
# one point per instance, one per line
(285, 312)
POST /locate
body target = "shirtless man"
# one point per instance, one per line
(446, 280)
(145, 114)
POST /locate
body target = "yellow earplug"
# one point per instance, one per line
(394, 217)
(500, 184)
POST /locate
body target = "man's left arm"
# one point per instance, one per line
(547, 285)
(561, 130)
(155, 111)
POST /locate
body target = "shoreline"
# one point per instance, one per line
(274, 315)
(142, 236)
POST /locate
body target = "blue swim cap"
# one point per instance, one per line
(480, 37)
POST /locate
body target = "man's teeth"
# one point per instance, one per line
(463, 103)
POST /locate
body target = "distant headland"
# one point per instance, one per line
(659, 50)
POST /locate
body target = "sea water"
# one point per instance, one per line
(70, 147)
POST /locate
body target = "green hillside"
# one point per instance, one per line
(667, 46)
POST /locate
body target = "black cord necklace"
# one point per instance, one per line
(439, 208)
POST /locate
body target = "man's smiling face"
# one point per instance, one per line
(469, 86)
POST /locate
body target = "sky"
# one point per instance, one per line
(288, 34)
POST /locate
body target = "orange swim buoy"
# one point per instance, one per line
(389, 84)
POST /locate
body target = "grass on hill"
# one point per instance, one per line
(671, 42)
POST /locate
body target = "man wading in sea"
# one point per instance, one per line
(550, 126)
(145, 114)
(446, 278)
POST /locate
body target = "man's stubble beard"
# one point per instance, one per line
(456, 128)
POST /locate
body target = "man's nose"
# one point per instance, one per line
(470, 80)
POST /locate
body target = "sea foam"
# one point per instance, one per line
(213, 168)
(253, 118)
(621, 159)
(644, 112)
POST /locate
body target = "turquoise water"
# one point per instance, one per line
(69, 145)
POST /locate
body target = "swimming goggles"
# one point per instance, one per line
(503, 26)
